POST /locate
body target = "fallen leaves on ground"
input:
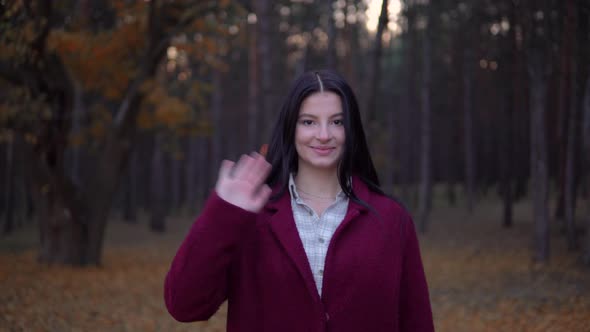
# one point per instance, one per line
(481, 278)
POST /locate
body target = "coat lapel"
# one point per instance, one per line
(283, 227)
(354, 209)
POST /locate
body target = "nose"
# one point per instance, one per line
(324, 132)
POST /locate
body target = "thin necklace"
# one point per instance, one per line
(312, 195)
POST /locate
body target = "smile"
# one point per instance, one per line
(322, 150)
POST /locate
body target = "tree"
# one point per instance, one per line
(539, 70)
(468, 69)
(586, 145)
(425, 201)
(373, 77)
(570, 195)
(42, 58)
(263, 10)
(253, 84)
(159, 199)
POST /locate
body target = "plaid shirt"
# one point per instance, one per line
(316, 231)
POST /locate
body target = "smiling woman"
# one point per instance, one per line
(306, 241)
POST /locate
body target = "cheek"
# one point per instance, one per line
(299, 140)
(298, 136)
(340, 135)
(302, 135)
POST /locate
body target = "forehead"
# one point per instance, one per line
(321, 103)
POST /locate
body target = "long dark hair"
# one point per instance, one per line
(355, 160)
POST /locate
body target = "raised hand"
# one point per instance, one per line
(242, 184)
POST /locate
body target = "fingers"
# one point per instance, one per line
(225, 169)
(260, 171)
(262, 195)
(243, 167)
(242, 183)
(253, 168)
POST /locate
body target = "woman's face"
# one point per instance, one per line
(319, 134)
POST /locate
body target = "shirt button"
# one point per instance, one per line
(321, 272)
(321, 240)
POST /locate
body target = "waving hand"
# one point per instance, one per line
(242, 183)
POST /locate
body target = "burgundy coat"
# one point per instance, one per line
(373, 276)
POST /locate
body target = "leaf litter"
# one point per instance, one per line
(481, 278)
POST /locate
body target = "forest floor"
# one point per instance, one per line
(480, 275)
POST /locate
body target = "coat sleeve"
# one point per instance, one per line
(415, 311)
(196, 284)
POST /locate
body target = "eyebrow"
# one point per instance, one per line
(313, 116)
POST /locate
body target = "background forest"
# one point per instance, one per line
(116, 114)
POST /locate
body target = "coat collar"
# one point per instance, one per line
(283, 226)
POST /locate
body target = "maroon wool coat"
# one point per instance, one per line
(373, 276)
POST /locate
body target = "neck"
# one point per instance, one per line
(322, 183)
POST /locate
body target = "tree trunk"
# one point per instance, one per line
(539, 168)
(390, 163)
(63, 227)
(405, 121)
(586, 154)
(348, 56)
(62, 236)
(406, 148)
(100, 189)
(567, 55)
(216, 123)
(8, 226)
(521, 118)
(572, 135)
(63, 230)
(130, 190)
(175, 171)
(204, 171)
(263, 37)
(506, 156)
(516, 109)
(447, 152)
(117, 146)
(374, 76)
(425, 136)
(253, 105)
(191, 175)
(158, 189)
(74, 151)
(468, 60)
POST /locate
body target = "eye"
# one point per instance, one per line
(338, 122)
(306, 122)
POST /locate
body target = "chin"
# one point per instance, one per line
(322, 165)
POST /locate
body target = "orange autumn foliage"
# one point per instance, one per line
(103, 62)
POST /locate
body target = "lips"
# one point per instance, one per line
(322, 150)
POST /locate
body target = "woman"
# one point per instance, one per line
(308, 242)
